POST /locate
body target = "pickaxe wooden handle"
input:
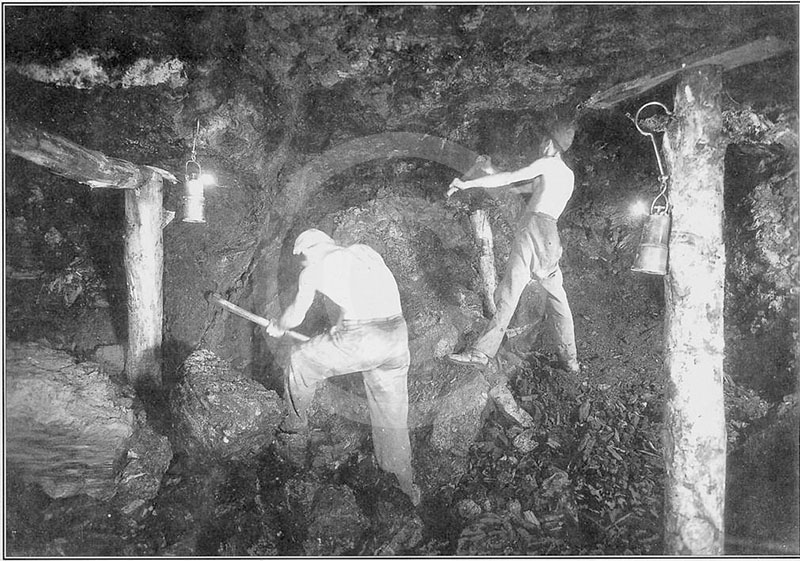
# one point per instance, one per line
(215, 298)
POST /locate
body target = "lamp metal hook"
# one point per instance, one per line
(662, 178)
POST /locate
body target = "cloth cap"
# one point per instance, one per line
(562, 134)
(309, 239)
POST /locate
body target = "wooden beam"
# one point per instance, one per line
(67, 159)
(695, 441)
(144, 272)
(756, 51)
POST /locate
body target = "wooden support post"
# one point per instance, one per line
(144, 268)
(484, 239)
(144, 220)
(482, 230)
(695, 439)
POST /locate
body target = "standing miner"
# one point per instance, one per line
(370, 336)
(536, 251)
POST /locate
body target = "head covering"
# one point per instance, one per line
(561, 133)
(309, 239)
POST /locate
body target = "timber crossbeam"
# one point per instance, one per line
(750, 53)
(67, 159)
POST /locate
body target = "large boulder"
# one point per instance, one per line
(221, 414)
(73, 430)
(66, 423)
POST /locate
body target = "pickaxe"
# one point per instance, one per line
(215, 298)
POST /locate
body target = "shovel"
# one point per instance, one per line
(215, 298)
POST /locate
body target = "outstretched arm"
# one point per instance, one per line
(500, 179)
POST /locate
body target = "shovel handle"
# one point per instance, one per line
(218, 300)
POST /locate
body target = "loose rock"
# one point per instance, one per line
(218, 411)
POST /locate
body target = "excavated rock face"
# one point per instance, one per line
(761, 304)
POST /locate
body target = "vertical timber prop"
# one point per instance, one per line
(144, 272)
(484, 239)
(144, 220)
(695, 443)
(482, 230)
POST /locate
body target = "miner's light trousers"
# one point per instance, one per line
(533, 263)
(379, 350)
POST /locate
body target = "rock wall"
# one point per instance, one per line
(763, 268)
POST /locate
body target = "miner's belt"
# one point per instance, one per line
(375, 321)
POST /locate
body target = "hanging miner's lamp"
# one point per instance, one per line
(653, 252)
(194, 200)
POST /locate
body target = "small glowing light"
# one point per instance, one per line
(208, 180)
(639, 208)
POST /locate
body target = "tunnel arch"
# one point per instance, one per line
(307, 180)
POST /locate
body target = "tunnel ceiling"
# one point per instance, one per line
(416, 64)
